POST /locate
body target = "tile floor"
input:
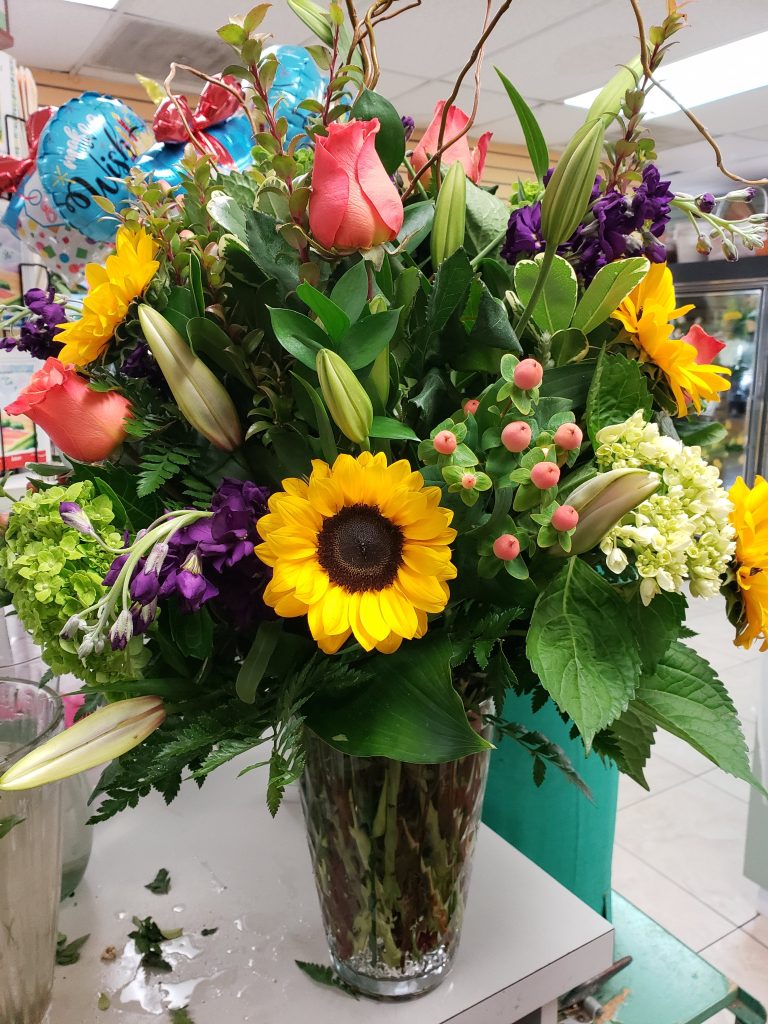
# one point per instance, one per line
(679, 849)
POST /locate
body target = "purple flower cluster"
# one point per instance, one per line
(37, 332)
(409, 126)
(139, 363)
(212, 558)
(617, 225)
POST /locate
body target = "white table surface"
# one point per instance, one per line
(526, 940)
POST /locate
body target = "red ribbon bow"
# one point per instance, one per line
(175, 121)
(13, 169)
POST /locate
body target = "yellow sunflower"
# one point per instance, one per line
(111, 290)
(750, 520)
(360, 548)
(645, 314)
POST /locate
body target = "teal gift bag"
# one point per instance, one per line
(555, 825)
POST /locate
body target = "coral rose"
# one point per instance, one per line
(86, 425)
(472, 160)
(354, 204)
(707, 347)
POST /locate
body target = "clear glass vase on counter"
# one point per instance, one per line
(391, 847)
(30, 858)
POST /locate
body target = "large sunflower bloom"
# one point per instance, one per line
(750, 520)
(360, 548)
(645, 314)
(111, 290)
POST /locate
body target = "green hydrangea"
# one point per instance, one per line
(51, 572)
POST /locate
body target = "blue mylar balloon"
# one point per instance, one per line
(162, 160)
(90, 143)
(298, 78)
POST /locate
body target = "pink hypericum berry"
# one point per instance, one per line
(506, 547)
(544, 475)
(564, 518)
(568, 437)
(445, 442)
(468, 481)
(516, 436)
(528, 374)
(471, 406)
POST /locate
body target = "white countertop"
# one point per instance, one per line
(526, 940)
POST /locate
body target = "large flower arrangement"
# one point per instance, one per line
(380, 446)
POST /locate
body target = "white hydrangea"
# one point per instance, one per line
(683, 531)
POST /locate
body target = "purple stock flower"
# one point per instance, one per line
(651, 202)
(73, 516)
(36, 335)
(706, 202)
(523, 233)
(408, 126)
(140, 363)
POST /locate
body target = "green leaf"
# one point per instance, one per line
(417, 224)
(232, 34)
(365, 339)
(350, 293)
(685, 697)
(229, 215)
(619, 388)
(161, 883)
(325, 975)
(335, 320)
(554, 308)
(179, 308)
(8, 823)
(577, 645)
(192, 633)
(656, 626)
(609, 287)
(487, 218)
(68, 953)
(298, 335)
(390, 141)
(324, 428)
(492, 326)
(701, 431)
(628, 743)
(408, 711)
(196, 283)
(568, 346)
(569, 382)
(257, 660)
(451, 284)
(383, 426)
(206, 338)
(534, 140)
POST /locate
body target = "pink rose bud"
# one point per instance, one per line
(445, 442)
(516, 436)
(468, 481)
(564, 518)
(354, 203)
(568, 437)
(472, 160)
(471, 406)
(506, 547)
(528, 374)
(86, 425)
(544, 475)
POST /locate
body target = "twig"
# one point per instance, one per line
(691, 117)
(476, 53)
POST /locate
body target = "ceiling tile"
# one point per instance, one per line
(761, 133)
(208, 15)
(54, 35)
(420, 97)
(733, 114)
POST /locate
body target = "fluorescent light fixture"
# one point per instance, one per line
(713, 75)
(108, 5)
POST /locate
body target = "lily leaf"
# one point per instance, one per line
(554, 308)
(610, 286)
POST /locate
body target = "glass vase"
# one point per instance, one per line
(391, 846)
(30, 859)
(77, 834)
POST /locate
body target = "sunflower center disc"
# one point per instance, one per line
(360, 549)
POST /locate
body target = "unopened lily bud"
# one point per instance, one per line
(349, 405)
(202, 398)
(315, 18)
(568, 193)
(608, 101)
(450, 215)
(603, 501)
(73, 516)
(96, 739)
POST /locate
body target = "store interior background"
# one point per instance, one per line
(680, 848)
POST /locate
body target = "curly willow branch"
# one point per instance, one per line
(691, 117)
